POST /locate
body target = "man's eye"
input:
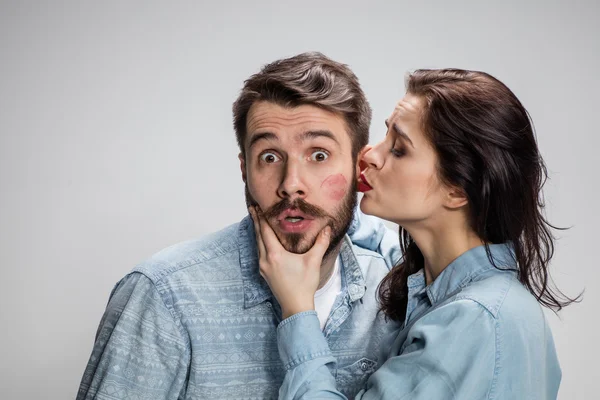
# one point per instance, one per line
(319, 156)
(269, 158)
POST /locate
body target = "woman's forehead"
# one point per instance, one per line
(408, 107)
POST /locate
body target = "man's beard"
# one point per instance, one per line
(296, 242)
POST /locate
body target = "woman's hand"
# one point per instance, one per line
(293, 278)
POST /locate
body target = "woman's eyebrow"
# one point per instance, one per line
(399, 132)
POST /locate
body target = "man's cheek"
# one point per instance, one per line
(335, 187)
(255, 196)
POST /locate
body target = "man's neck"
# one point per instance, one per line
(328, 266)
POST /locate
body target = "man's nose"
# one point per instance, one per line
(292, 183)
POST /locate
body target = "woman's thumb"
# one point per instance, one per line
(321, 244)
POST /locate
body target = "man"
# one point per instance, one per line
(197, 320)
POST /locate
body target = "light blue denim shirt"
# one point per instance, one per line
(474, 333)
(197, 321)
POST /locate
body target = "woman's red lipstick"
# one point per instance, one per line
(363, 185)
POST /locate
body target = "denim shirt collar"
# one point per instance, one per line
(461, 271)
(354, 281)
(256, 289)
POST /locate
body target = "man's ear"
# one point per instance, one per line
(357, 170)
(456, 198)
(360, 164)
(242, 166)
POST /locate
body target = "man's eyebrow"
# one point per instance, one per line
(262, 136)
(319, 133)
(308, 135)
(399, 132)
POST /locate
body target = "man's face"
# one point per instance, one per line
(299, 170)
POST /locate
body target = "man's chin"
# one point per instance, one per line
(298, 243)
(301, 243)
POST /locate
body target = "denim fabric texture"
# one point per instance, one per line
(197, 321)
(474, 333)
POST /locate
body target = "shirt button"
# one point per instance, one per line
(364, 366)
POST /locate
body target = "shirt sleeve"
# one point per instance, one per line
(447, 354)
(372, 234)
(140, 350)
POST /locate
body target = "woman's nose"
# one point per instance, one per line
(362, 164)
(370, 158)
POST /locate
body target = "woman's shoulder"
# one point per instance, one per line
(490, 306)
(505, 298)
(482, 335)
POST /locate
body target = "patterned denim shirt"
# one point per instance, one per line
(198, 321)
(474, 333)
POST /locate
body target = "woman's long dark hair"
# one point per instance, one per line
(486, 145)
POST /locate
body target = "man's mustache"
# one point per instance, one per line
(298, 204)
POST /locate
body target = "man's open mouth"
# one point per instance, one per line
(294, 219)
(293, 215)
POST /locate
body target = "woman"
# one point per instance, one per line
(459, 170)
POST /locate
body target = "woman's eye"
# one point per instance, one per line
(269, 158)
(319, 156)
(398, 152)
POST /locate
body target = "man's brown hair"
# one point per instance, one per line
(307, 79)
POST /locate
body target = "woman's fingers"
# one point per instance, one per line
(259, 242)
(269, 238)
(270, 248)
(293, 278)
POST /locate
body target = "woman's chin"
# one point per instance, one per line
(366, 206)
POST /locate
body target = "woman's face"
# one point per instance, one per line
(401, 171)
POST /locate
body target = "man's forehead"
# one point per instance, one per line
(292, 121)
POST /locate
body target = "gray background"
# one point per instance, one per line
(116, 141)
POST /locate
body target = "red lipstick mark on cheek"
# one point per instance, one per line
(335, 186)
